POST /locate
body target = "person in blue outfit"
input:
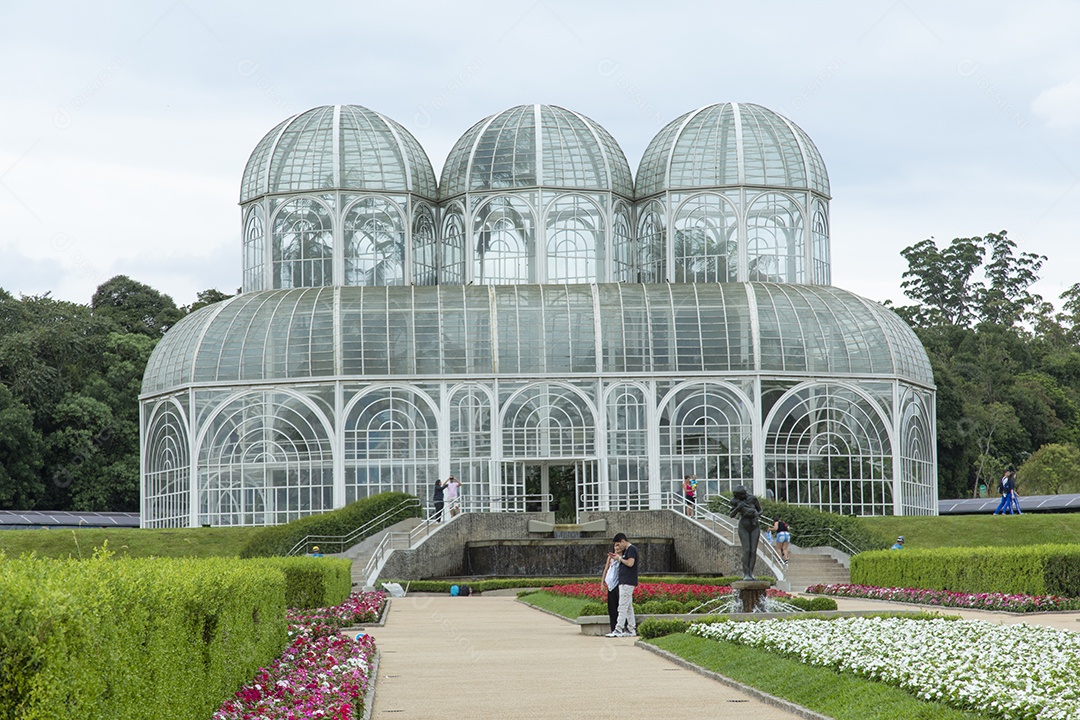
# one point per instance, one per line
(899, 544)
(1014, 497)
(1006, 486)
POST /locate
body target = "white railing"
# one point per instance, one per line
(343, 542)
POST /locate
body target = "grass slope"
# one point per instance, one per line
(979, 530)
(842, 696)
(568, 607)
(127, 542)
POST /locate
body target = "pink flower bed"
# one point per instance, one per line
(654, 591)
(944, 598)
(321, 674)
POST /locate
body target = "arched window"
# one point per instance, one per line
(627, 449)
(391, 443)
(622, 241)
(706, 230)
(303, 245)
(265, 459)
(504, 241)
(374, 243)
(548, 421)
(820, 249)
(254, 250)
(166, 477)
(705, 430)
(828, 447)
(652, 237)
(775, 248)
(470, 443)
(425, 256)
(918, 486)
(452, 264)
(575, 240)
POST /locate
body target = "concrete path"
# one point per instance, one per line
(492, 657)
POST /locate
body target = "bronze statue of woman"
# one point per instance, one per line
(748, 507)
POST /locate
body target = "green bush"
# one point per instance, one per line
(815, 604)
(280, 539)
(593, 608)
(314, 582)
(443, 586)
(672, 607)
(659, 627)
(807, 523)
(651, 607)
(1026, 570)
(133, 639)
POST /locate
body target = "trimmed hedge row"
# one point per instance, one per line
(314, 582)
(443, 586)
(133, 639)
(1027, 570)
(674, 607)
(278, 540)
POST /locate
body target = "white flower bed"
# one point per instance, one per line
(1011, 671)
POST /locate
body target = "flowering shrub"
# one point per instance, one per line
(944, 598)
(321, 674)
(645, 592)
(358, 608)
(1010, 671)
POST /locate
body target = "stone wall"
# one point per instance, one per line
(443, 553)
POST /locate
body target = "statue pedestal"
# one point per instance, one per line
(751, 593)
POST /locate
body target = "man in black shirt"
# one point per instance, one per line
(627, 557)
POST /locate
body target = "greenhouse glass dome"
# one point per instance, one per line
(551, 365)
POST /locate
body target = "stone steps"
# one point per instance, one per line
(805, 569)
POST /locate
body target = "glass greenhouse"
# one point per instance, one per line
(535, 316)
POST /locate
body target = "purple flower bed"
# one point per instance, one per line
(944, 598)
(321, 674)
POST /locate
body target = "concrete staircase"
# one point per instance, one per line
(361, 552)
(814, 565)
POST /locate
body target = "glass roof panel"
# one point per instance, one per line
(731, 144)
(500, 152)
(663, 329)
(374, 153)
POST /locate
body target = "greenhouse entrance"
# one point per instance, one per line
(557, 486)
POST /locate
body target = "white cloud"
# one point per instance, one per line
(1059, 106)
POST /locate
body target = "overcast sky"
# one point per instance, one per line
(126, 125)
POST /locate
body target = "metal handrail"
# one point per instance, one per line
(801, 539)
(350, 539)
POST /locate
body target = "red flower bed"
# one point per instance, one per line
(646, 591)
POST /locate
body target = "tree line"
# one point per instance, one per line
(1006, 364)
(70, 377)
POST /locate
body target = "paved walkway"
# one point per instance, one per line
(493, 657)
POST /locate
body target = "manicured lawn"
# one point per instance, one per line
(839, 695)
(127, 542)
(568, 607)
(968, 530)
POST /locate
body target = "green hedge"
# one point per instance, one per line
(443, 586)
(280, 539)
(314, 582)
(133, 639)
(1027, 570)
(808, 522)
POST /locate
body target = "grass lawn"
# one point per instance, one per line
(127, 542)
(841, 696)
(968, 530)
(568, 607)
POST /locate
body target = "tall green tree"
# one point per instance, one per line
(21, 487)
(135, 307)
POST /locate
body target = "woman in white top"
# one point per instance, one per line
(453, 487)
(610, 583)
